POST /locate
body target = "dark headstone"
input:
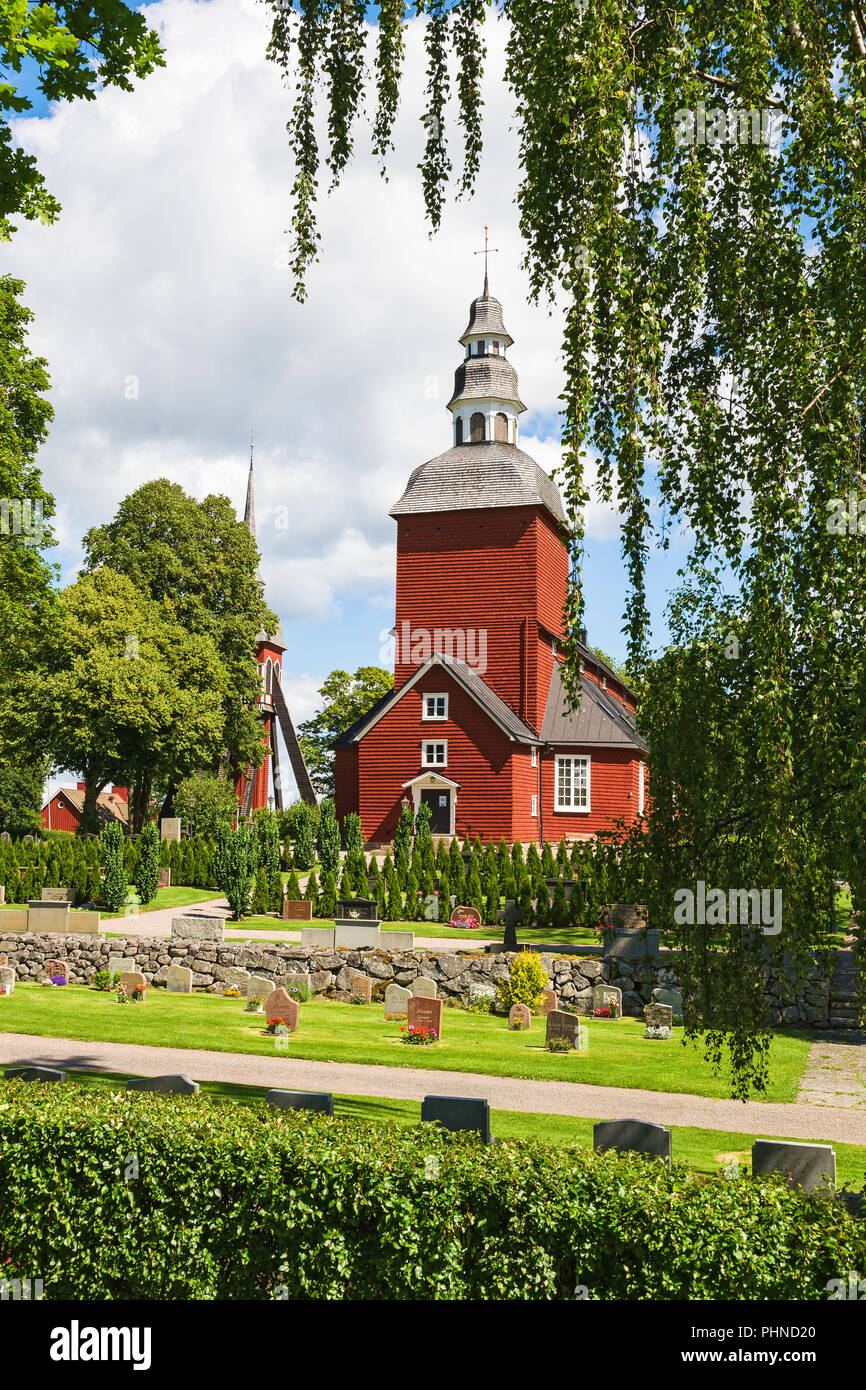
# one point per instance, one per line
(34, 1074)
(357, 909)
(509, 941)
(321, 1101)
(635, 1136)
(458, 1113)
(177, 1084)
(810, 1167)
(297, 910)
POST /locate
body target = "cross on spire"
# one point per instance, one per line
(485, 253)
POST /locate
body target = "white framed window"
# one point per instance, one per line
(434, 706)
(641, 773)
(604, 682)
(534, 756)
(435, 754)
(572, 783)
(554, 648)
(535, 806)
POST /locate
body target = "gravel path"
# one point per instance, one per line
(158, 923)
(795, 1121)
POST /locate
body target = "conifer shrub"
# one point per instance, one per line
(527, 977)
(293, 887)
(305, 847)
(328, 837)
(114, 880)
(147, 868)
(326, 904)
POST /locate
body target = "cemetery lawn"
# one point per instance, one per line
(330, 1031)
(170, 897)
(705, 1150)
(570, 936)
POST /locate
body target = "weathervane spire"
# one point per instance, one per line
(485, 253)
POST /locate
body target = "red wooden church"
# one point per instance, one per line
(478, 724)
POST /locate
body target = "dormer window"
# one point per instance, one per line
(482, 347)
(494, 348)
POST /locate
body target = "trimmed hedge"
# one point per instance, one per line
(242, 1202)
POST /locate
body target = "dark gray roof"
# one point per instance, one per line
(470, 476)
(485, 316)
(478, 378)
(480, 691)
(599, 718)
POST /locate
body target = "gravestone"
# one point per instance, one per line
(4, 960)
(658, 1016)
(178, 980)
(563, 1025)
(468, 917)
(279, 1005)
(605, 997)
(422, 1012)
(169, 828)
(260, 985)
(633, 1136)
(426, 987)
(519, 1017)
(297, 910)
(35, 1074)
(55, 895)
(396, 999)
(132, 979)
(174, 1084)
(809, 1167)
(361, 985)
(6, 838)
(198, 928)
(7, 980)
(549, 1001)
(357, 910)
(165, 877)
(117, 964)
(673, 998)
(2, 892)
(320, 1101)
(56, 967)
(458, 1113)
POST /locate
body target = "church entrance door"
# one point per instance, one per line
(439, 802)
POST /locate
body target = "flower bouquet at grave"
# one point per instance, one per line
(231, 992)
(277, 1027)
(418, 1036)
(138, 994)
(254, 1004)
(604, 1012)
(560, 1045)
(392, 1018)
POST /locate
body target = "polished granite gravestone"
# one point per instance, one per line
(458, 1113)
(809, 1167)
(177, 1084)
(633, 1136)
(320, 1101)
(35, 1074)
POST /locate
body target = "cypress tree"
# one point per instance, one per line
(326, 901)
(473, 896)
(147, 868)
(548, 863)
(444, 897)
(411, 897)
(559, 914)
(491, 917)
(114, 881)
(328, 837)
(293, 887)
(395, 902)
(381, 900)
(261, 895)
(563, 863)
(311, 892)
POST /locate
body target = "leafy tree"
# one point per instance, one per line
(75, 49)
(114, 881)
(147, 868)
(328, 836)
(123, 692)
(345, 698)
(200, 562)
(204, 802)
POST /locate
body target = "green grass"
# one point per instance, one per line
(170, 897)
(433, 930)
(705, 1150)
(618, 1054)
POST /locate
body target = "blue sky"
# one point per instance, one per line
(163, 306)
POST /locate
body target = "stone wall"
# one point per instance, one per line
(463, 976)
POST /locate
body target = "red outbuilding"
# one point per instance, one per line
(478, 724)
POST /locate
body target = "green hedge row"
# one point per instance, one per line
(241, 1202)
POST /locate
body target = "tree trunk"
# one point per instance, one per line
(93, 785)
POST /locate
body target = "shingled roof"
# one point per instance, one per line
(599, 718)
(485, 316)
(108, 806)
(470, 476)
(465, 675)
(485, 378)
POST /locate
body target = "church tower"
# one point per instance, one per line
(479, 726)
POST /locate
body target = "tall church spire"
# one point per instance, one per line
(250, 508)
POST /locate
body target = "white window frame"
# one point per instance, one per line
(427, 761)
(641, 779)
(573, 758)
(534, 757)
(434, 695)
(534, 811)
